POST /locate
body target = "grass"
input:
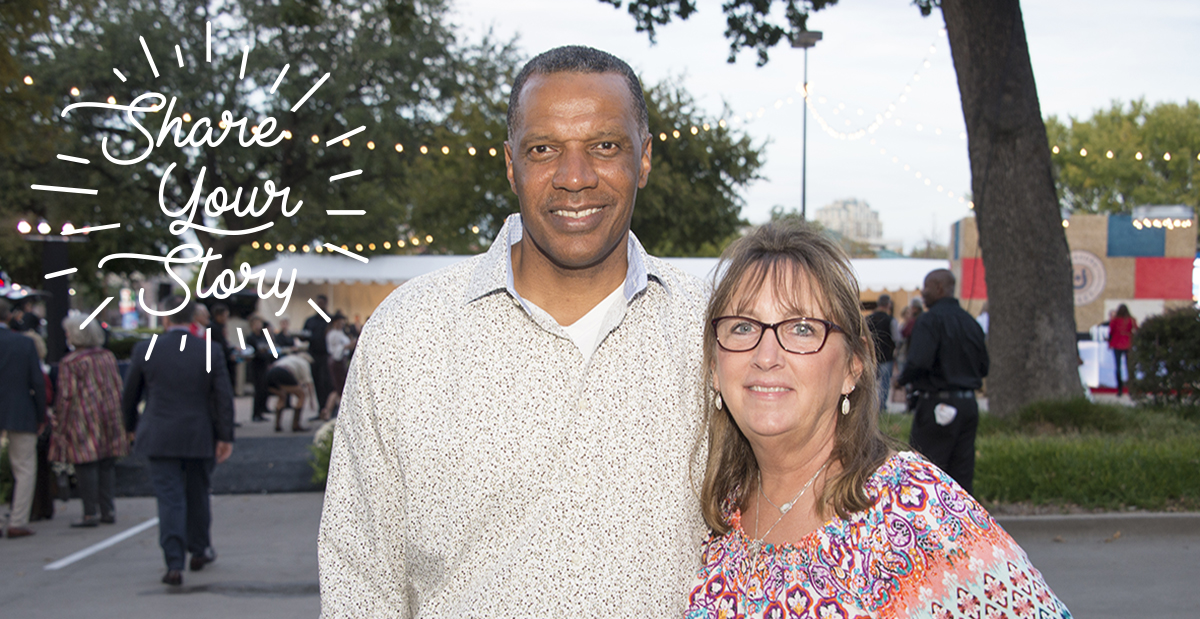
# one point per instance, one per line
(1078, 453)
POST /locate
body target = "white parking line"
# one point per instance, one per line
(94, 548)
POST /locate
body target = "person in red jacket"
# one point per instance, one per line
(1120, 334)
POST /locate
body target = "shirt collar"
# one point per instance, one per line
(495, 271)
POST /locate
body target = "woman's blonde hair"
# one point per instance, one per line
(87, 337)
(788, 256)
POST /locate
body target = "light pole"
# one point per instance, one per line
(54, 259)
(805, 39)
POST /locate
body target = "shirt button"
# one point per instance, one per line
(577, 559)
(583, 406)
(581, 483)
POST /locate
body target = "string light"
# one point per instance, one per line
(74, 91)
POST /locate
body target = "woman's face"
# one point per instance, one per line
(775, 395)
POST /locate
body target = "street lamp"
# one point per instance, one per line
(805, 39)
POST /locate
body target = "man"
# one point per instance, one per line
(314, 330)
(284, 340)
(259, 363)
(184, 431)
(517, 429)
(886, 331)
(200, 320)
(220, 335)
(22, 417)
(947, 360)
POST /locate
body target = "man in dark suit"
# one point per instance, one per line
(184, 431)
(314, 332)
(22, 414)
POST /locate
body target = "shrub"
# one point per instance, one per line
(322, 449)
(1091, 471)
(1076, 415)
(1164, 359)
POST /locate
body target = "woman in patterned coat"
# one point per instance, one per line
(814, 512)
(88, 431)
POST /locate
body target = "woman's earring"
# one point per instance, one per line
(846, 404)
(720, 402)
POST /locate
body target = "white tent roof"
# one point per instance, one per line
(873, 274)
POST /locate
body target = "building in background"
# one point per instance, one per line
(853, 219)
(1143, 260)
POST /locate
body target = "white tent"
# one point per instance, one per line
(356, 289)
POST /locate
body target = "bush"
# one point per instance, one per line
(1090, 471)
(1096, 456)
(1077, 415)
(1164, 360)
(322, 449)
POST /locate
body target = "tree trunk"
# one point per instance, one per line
(1024, 248)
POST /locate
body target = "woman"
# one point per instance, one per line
(1120, 336)
(88, 431)
(287, 377)
(813, 511)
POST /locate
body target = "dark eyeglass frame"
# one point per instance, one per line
(763, 327)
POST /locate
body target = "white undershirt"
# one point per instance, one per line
(586, 330)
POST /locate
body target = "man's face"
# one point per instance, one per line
(201, 316)
(284, 324)
(933, 291)
(576, 158)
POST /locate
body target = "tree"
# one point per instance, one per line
(1021, 238)
(392, 67)
(691, 205)
(1135, 155)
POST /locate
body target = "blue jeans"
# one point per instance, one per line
(885, 383)
(181, 486)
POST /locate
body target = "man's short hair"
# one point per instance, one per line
(577, 59)
(884, 301)
(185, 313)
(220, 309)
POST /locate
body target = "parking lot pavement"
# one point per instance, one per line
(1116, 565)
(1101, 566)
(266, 564)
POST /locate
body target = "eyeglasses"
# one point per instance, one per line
(802, 336)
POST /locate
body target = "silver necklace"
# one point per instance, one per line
(757, 542)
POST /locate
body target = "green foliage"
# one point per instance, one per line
(1164, 359)
(691, 204)
(394, 69)
(322, 450)
(1091, 471)
(1098, 183)
(748, 23)
(1084, 453)
(121, 343)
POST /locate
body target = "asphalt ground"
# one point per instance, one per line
(1101, 566)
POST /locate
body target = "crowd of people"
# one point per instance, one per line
(74, 419)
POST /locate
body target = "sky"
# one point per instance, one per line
(1086, 54)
